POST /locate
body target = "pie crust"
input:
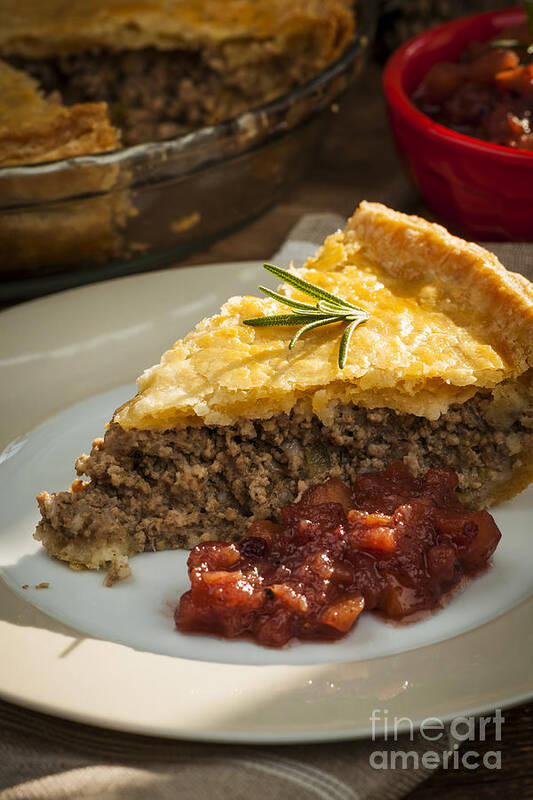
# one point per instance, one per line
(34, 28)
(34, 128)
(446, 320)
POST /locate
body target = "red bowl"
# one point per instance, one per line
(485, 189)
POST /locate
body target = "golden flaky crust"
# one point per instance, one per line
(34, 129)
(446, 320)
(469, 282)
(36, 28)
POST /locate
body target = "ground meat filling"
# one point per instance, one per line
(153, 94)
(162, 490)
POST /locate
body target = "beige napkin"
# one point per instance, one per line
(43, 758)
(312, 229)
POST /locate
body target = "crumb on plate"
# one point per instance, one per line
(118, 571)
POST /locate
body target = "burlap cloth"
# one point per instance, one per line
(43, 758)
(313, 228)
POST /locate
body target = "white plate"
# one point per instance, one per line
(112, 656)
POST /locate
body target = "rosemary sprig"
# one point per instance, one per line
(327, 310)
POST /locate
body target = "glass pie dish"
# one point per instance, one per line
(77, 220)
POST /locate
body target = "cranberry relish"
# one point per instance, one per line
(395, 544)
(488, 94)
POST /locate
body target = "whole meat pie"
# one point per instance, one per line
(164, 67)
(91, 76)
(231, 425)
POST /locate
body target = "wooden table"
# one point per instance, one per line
(358, 161)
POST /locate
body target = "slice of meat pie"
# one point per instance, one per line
(232, 425)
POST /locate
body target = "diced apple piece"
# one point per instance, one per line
(484, 543)
(451, 523)
(230, 589)
(218, 576)
(372, 531)
(441, 561)
(226, 556)
(379, 538)
(487, 64)
(186, 614)
(343, 614)
(213, 555)
(290, 597)
(368, 518)
(398, 600)
(332, 491)
(263, 529)
(519, 80)
(441, 81)
(322, 565)
(275, 631)
(343, 573)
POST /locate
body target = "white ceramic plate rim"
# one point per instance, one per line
(97, 337)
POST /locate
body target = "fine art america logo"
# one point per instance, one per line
(434, 743)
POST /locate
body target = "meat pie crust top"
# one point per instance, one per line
(36, 28)
(446, 321)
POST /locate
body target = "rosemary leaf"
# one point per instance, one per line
(332, 308)
(287, 301)
(345, 341)
(281, 319)
(310, 326)
(304, 286)
(356, 318)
